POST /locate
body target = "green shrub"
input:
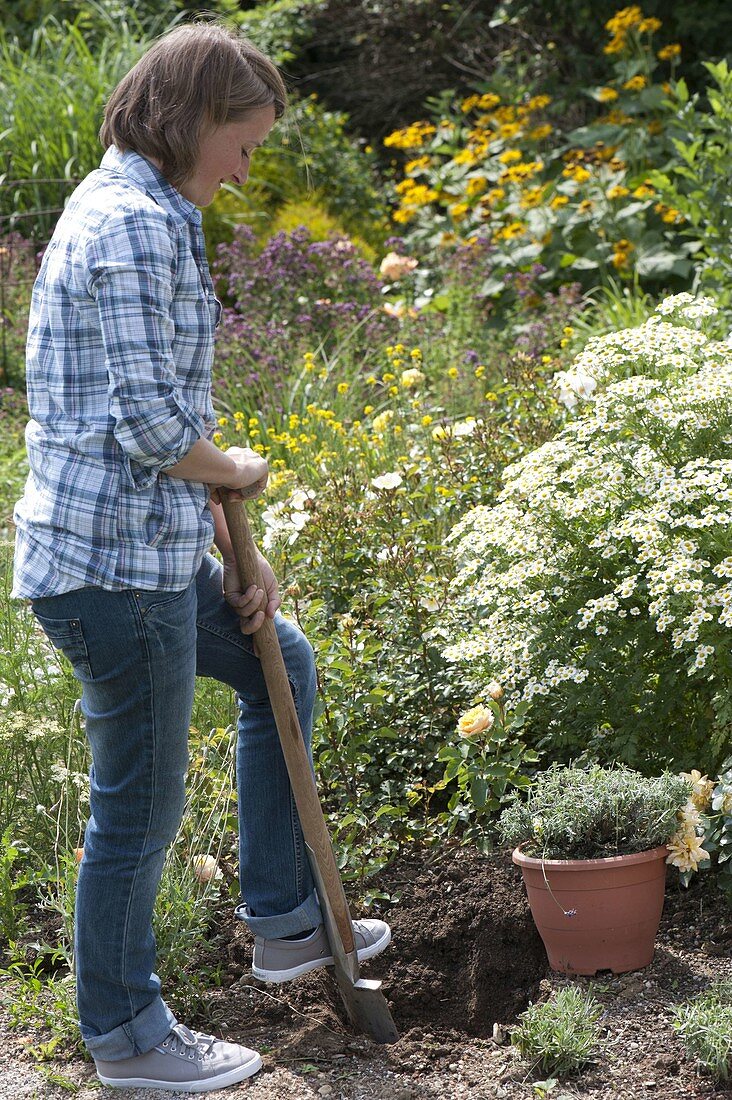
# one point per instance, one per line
(562, 1034)
(695, 180)
(578, 204)
(597, 588)
(705, 1027)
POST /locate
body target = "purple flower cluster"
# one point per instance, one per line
(293, 295)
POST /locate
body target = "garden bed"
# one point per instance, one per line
(464, 961)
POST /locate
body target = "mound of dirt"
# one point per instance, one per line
(465, 953)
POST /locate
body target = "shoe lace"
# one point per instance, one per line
(192, 1044)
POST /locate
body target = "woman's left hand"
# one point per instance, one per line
(250, 604)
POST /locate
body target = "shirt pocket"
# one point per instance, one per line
(67, 635)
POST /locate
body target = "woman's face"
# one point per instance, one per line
(224, 153)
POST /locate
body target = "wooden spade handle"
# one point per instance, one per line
(268, 650)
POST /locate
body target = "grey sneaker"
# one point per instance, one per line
(185, 1061)
(282, 960)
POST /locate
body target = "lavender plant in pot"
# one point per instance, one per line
(591, 843)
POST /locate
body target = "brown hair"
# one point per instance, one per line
(197, 74)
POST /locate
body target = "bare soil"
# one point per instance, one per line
(465, 960)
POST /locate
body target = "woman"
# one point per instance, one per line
(119, 511)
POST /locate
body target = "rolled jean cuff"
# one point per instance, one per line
(306, 916)
(139, 1035)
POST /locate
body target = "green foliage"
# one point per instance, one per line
(486, 762)
(593, 812)
(51, 101)
(695, 180)
(279, 28)
(578, 203)
(596, 588)
(705, 1027)
(308, 157)
(560, 1035)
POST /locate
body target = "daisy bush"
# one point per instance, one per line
(598, 587)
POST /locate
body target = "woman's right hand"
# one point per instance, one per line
(249, 478)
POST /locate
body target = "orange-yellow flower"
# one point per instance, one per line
(475, 720)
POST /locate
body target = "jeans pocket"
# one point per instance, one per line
(151, 601)
(67, 636)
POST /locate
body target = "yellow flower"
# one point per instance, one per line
(510, 156)
(494, 195)
(616, 44)
(222, 421)
(559, 200)
(452, 372)
(538, 102)
(621, 253)
(670, 52)
(585, 206)
(475, 720)
(540, 132)
(701, 788)
(531, 198)
(480, 370)
(488, 101)
(476, 186)
(411, 137)
(217, 437)
(686, 851)
(343, 387)
(635, 84)
(381, 421)
(510, 232)
(643, 191)
(607, 95)
(469, 103)
(625, 19)
(426, 421)
(617, 192)
(649, 26)
(459, 210)
(576, 172)
(411, 378)
(368, 409)
(416, 165)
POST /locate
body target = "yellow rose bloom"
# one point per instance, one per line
(475, 720)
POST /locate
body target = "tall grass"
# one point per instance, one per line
(52, 96)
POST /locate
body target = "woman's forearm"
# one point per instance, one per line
(206, 463)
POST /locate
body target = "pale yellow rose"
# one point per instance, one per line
(411, 378)
(686, 852)
(475, 720)
(701, 788)
(394, 266)
(205, 868)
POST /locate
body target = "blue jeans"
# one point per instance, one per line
(136, 655)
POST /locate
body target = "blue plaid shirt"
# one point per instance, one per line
(120, 346)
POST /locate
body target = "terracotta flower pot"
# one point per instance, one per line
(596, 914)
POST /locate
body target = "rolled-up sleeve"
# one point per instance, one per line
(131, 268)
